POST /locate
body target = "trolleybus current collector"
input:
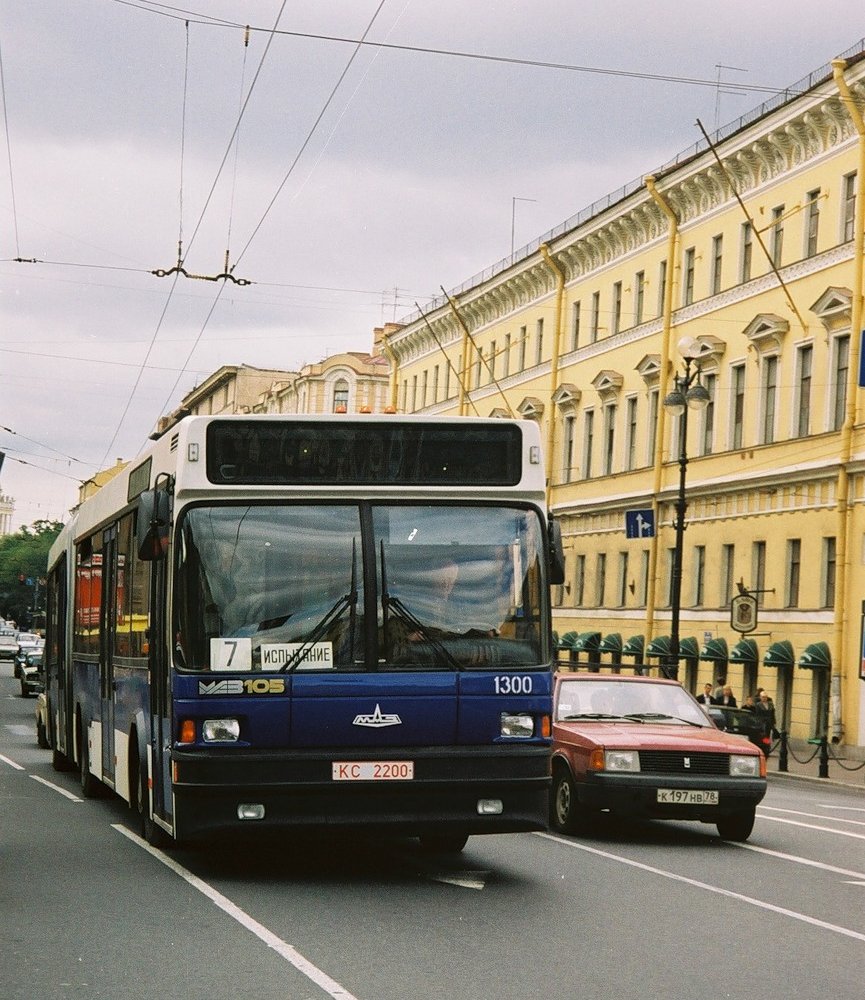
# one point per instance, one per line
(312, 622)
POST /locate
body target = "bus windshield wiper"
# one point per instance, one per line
(596, 717)
(347, 601)
(388, 602)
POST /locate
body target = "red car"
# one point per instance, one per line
(643, 747)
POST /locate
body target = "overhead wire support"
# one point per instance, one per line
(180, 269)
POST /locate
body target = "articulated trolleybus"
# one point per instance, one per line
(312, 622)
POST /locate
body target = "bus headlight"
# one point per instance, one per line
(220, 730)
(517, 725)
(743, 766)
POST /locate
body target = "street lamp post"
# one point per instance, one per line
(688, 393)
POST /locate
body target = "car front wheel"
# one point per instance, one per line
(567, 814)
(737, 826)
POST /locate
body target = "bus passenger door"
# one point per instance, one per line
(160, 693)
(107, 626)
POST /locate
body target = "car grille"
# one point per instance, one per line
(677, 762)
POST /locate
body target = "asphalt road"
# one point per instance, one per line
(87, 910)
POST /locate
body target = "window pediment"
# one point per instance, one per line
(649, 369)
(500, 413)
(766, 331)
(607, 383)
(834, 308)
(712, 349)
(567, 397)
(531, 408)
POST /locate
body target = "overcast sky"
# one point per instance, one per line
(361, 179)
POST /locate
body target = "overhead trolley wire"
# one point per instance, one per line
(9, 153)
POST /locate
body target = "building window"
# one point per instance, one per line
(747, 252)
(414, 394)
(728, 554)
(770, 390)
(644, 577)
(707, 431)
(596, 317)
(812, 221)
(575, 326)
(631, 441)
(841, 372)
(827, 588)
(802, 408)
(609, 437)
(639, 297)
(848, 222)
(478, 366)
(447, 381)
(506, 357)
(424, 388)
(580, 582)
(652, 426)
(699, 575)
(340, 396)
(688, 283)
(622, 580)
(601, 579)
(539, 346)
(758, 568)
(662, 286)
(568, 455)
(588, 442)
(717, 260)
(617, 307)
(777, 235)
(671, 563)
(737, 408)
(435, 385)
(794, 565)
(524, 336)
(492, 364)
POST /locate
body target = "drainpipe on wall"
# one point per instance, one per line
(840, 615)
(554, 372)
(663, 383)
(394, 370)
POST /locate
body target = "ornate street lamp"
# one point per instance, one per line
(688, 393)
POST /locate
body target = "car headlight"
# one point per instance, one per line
(621, 760)
(220, 730)
(517, 724)
(745, 766)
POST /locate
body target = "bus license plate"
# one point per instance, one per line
(687, 796)
(372, 770)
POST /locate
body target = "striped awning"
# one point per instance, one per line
(611, 643)
(715, 650)
(780, 654)
(816, 656)
(634, 646)
(745, 651)
(587, 642)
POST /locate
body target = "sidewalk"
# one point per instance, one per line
(844, 766)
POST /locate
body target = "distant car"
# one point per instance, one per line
(28, 642)
(643, 747)
(8, 644)
(32, 678)
(746, 724)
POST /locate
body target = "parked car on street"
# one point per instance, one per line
(32, 678)
(749, 725)
(643, 747)
(42, 720)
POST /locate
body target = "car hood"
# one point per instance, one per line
(649, 736)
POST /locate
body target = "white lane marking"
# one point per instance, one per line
(797, 859)
(19, 729)
(11, 763)
(56, 788)
(831, 805)
(282, 948)
(675, 877)
(798, 812)
(813, 826)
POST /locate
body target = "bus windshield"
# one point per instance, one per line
(285, 587)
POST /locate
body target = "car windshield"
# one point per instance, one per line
(613, 698)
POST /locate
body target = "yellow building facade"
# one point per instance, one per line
(751, 245)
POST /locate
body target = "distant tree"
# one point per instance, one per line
(23, 565)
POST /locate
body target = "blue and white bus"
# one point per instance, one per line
(322, 622)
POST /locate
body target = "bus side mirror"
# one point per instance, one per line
(556, 553)
(153, 524)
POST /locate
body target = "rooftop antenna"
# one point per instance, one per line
(719, 91)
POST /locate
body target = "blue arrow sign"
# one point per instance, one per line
(640, 523)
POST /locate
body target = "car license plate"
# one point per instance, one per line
(687, 797)
(372, 770)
